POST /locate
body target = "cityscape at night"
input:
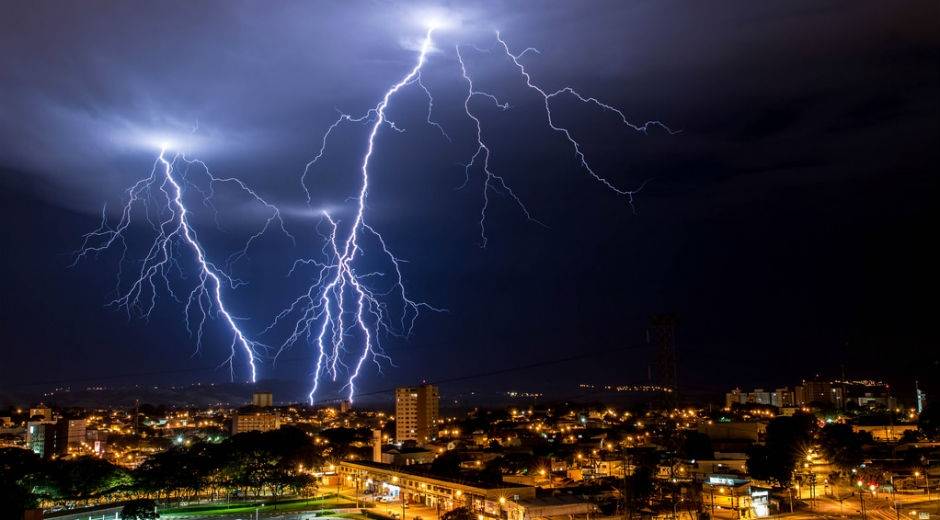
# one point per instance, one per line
(482, 260)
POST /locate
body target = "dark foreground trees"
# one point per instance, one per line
(250, 464)
(140, 509)
(842, 446)
(19, 474)
(25, 480)
(787, 441)
(459, 513)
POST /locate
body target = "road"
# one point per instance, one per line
(392, 509)
(881, 506)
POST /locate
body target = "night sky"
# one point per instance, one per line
(788, 224)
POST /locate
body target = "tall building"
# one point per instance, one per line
(416, 412)
(779, 397)
(376, 445)
(759, 396)
(920, 397)
(70, 433)
(258, 421)
(41, 437)
(262, 399)
(817, 391)
(782, 397)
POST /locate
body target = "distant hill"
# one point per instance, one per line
(195, 395)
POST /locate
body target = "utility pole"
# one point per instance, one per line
(624, 496)
(662, 333)
(734, 504)
(812, 489)
(894, 498)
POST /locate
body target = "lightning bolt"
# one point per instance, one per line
(491, 181)
(161, 198)
(498, 184)
(340, 291)
(342, 300)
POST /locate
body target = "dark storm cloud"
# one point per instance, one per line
(804, 163)
(84, 81)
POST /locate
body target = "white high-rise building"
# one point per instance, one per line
(920, 397)
(416, 412)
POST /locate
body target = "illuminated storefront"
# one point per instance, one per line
(734, 497)
(405, 485)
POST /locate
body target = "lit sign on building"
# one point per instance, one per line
(721, 481)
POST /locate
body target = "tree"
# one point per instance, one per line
(929, 421)
(786, 441)
(84, 478)
(447, 464)
(696, 445)
(271, 460)
(19, 473)
(177, 470)
(640, 487)
(493, 471)
(460, 513)
(141, 509)
(842, 446)
(910, 436)
(519, 462)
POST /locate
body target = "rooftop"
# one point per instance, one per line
(412, 471)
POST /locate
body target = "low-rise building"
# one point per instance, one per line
(751, 431)
(42, 412)
(734, 495)
(567, 507)
(420, 487)
(885, 432)
(406, 456)
(256, 421)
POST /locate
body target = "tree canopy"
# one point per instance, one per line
(786, 442)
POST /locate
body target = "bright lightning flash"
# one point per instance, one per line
(160, 197)
(497, 183)
(341, 292)
(342, 300)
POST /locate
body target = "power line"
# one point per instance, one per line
(518, 368)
